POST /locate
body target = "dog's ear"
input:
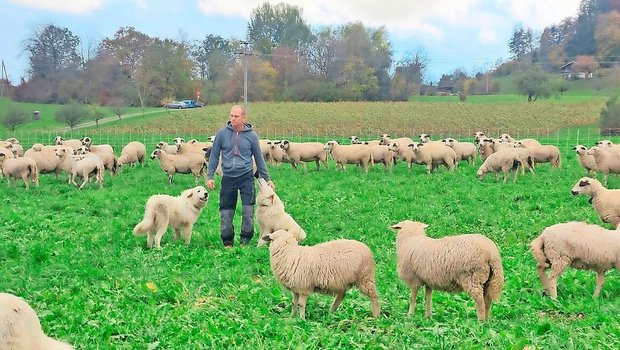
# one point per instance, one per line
(272, 197)
(266, 238)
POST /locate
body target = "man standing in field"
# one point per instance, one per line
(237, 143)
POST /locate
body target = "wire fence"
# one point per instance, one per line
(564, 139)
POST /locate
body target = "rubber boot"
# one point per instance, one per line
(227, 229)
(247, 224)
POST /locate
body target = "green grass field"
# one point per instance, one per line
(72, 255)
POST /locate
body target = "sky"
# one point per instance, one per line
(455, 34)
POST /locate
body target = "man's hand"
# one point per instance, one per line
(211, 184)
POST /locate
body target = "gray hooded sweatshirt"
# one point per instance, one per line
(237, 149)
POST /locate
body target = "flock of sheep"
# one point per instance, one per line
(465, 262)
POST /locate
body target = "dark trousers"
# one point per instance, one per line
(231, 188)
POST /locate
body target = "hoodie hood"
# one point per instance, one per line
(246, 126)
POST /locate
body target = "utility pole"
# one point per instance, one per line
(245, 74)
(4, 80)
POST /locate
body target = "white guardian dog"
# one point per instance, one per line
(271, 216)
(20, 328)
(180, 213)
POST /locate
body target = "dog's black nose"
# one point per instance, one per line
(574, 193)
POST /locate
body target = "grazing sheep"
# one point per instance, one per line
(579, 245)
(181, 163)
(331, 267)
(433, 155)
(133, 152)
(271, 216)
(302, 152)
(22, 167)
(469, 263)
(504, 161)
(90, 164)
(170, 149)
(464, 150)
(586, 160)
(607, 162)
(20, 328)
(73, 143)
(349, 154)
(16, 146)
(606, 202)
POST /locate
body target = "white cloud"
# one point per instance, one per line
(487, 36)
(539, 14)
(402, 17)
(80, 7)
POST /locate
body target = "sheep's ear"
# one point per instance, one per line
(396, 226)
(575, 148)
(273, 198)
(2, 154)
(266, 238)
(584, 183)
(420, 144)
(410, 145)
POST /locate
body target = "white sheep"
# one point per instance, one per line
(525, 143)
(586, 160)
(468, 262)
(170, 149)
(464, 150)
(331, 267)
(434, 154)
(133, 152)
(20, 328)
(381, 154)
(302, 152)
(608, 145)
(107, 156)
(500, 161)
(478, 135)
(349, 154)
(73, 143)
(277, 155)
(402, 152)
(355, 140)
(385, 139)
(16, 146)
(181, 163)
(46, 161)
(22, 167)
(579, 245)
(544, 154)
(192, 146)
(271, 216)
(265, 146)
(607, 162)
(606, 202)
(426, 138)
(84, 167)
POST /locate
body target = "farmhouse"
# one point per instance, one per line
(569, 72)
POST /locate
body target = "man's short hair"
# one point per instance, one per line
(241, 107)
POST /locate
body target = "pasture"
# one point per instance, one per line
(72, 255)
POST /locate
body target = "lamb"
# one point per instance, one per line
(107, 156)
(544, 154)
(525, 143)
(607, 162)
(22, 167)
(504, 160)
(579, 245)
(181, 163)
(349, 154)
(301, 152)
(271, 216)
(16, 146)
(331, 267)
(134, 152)
(433, 155)
(73, 143)
(20, 328)
(606, 202)
(586, 160)
(91, 163)
(402, 152)
(468, 262)
(170, 149)
(464, 150)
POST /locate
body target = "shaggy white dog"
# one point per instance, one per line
(271, 216)
(180, 213)
(20, 328)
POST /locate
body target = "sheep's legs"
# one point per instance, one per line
(556, 270)
(414, 292)
(476, 293)
(26, 180)
(543, 278)
(600, 278)
(337, 302)
(428, 301)
(369, 289)
(295, 303)
(177, 234)
(302, 305)
(487, 304)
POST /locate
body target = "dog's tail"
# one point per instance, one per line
(148, 222)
